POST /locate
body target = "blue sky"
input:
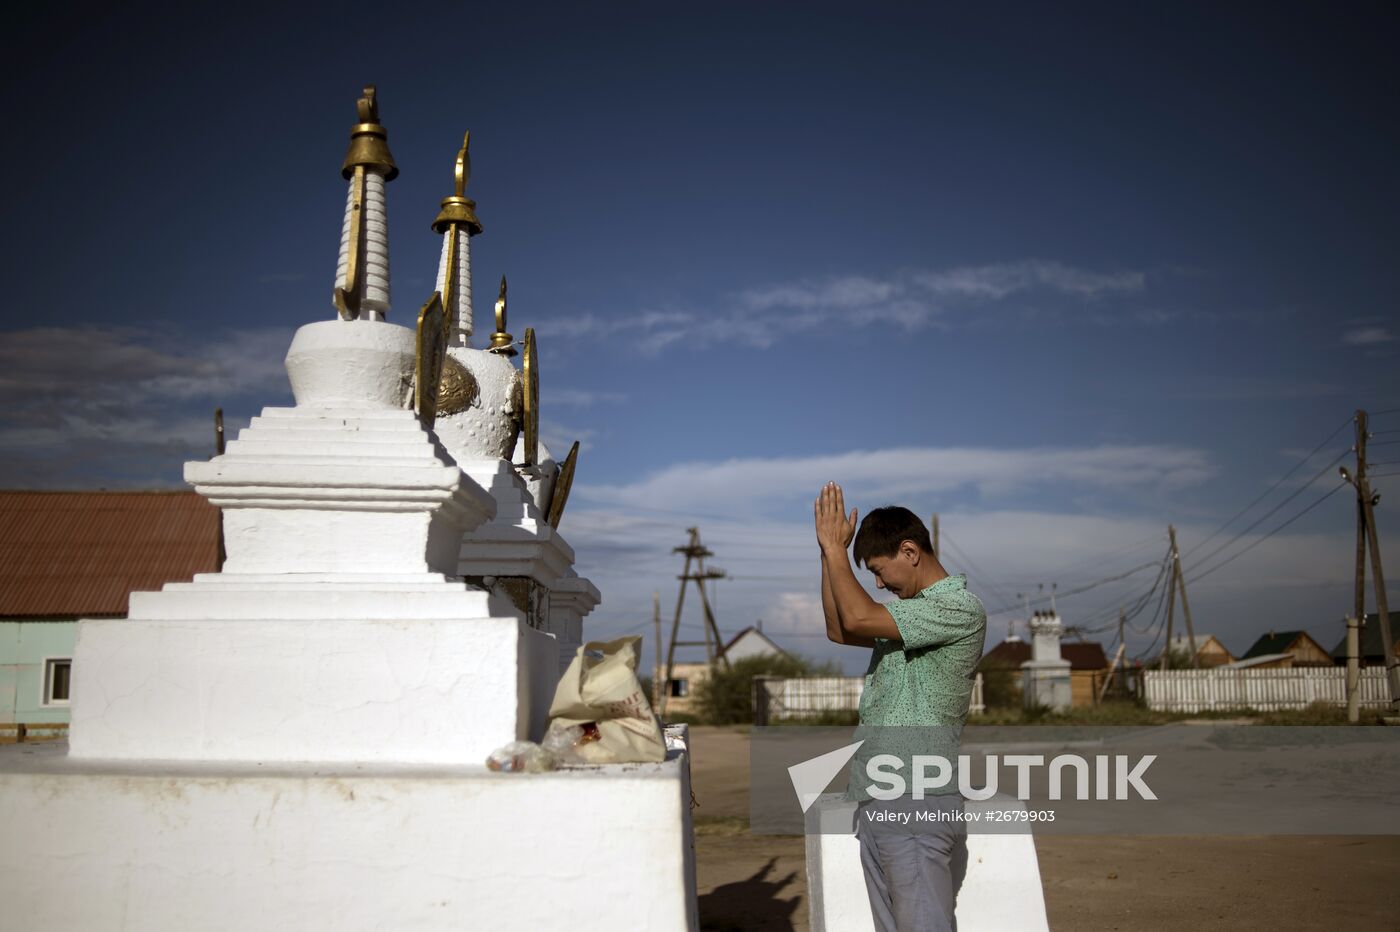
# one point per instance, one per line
(1063, 275)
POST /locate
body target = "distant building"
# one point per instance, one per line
(1285, 649)
(1087, 665)
(71, 555)
(686, 677)
(1210, 652)
(1372, 649)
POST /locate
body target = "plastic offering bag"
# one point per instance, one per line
(521, 757)
(601, 689)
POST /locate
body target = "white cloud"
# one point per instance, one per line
(900, 473)
(760, 317)
(1367, 336)
(1001, 280)
(89, 405)
(582, 399)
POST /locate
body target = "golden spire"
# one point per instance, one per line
(501, 341)
(458, 208)
(369, 141)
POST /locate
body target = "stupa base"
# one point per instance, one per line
(176, 846)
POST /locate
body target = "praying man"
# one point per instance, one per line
(925, 648)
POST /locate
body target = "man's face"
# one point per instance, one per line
(895, 573)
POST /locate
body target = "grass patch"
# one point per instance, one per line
(721, 825)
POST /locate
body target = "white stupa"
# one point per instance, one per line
(298, 741)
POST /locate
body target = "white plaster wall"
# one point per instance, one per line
(269, 689)
(170, 848)
(1000, 893)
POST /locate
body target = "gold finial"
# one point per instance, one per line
(369, 141)
(530, 396)
(459, 208)
(501, 341)
(462, 169)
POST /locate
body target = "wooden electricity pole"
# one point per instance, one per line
(659, 684)
(1185, 605)
(222, 554)
(1175, 584)
(694, 551)
(1366, 538)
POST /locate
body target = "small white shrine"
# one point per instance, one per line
(1045, 678)
(299, 741)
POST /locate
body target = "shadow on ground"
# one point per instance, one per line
(750, 904)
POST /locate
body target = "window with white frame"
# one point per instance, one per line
(58, 675)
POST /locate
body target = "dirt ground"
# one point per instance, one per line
(1152, 883)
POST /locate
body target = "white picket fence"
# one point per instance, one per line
(1219, 690)
(811, 696)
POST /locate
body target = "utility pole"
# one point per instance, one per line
(1115, 668)
(694, 551)
(1353, 670)
(659, 684)
(935, 536)
(1185, 606)
(1171, 603)
(219, 451)
(1366, 538)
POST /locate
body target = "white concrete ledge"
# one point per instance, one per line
(165, 847)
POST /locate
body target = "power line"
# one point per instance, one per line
(1160, 625)
(1266, 492)
(1115, 553)
(1261, 519)
(981, 577)
(1335, 489)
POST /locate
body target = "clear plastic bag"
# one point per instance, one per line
(521, 757)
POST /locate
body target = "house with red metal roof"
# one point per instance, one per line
(71, 555)
(1088, 665)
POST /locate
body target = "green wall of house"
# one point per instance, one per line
(25, 646)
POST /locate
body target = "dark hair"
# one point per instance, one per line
(884, 529)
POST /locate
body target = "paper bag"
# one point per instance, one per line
(604, 690)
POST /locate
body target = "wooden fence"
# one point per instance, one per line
(1219, 690)
(788, 698)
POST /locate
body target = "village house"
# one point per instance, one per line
(71, 555)
(1088, 665)
(1372, 647)
(1210, 652)
(1283, 650)
(686, 678)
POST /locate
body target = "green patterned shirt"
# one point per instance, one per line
(925, 678)
(917, 689)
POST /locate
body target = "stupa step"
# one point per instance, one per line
(319, 596)
(433, 691)
(403, 422)
(315, 449)
(349, 412)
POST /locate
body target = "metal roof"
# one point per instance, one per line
(78, 554)
(1082, 655)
